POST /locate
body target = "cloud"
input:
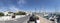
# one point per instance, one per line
(13, 8)
(2, 9)
(21, 2)
(10, 8)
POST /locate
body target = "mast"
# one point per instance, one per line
(35, 10)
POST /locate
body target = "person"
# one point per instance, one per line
(32, 18)
(13, 16)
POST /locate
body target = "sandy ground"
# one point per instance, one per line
(6, 18)
(44, 20)
(41, 19)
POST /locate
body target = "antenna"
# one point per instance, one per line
(35, 10)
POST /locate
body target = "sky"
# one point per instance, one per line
(30, 5)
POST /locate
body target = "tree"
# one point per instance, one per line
(20, 13)
(1, 14)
